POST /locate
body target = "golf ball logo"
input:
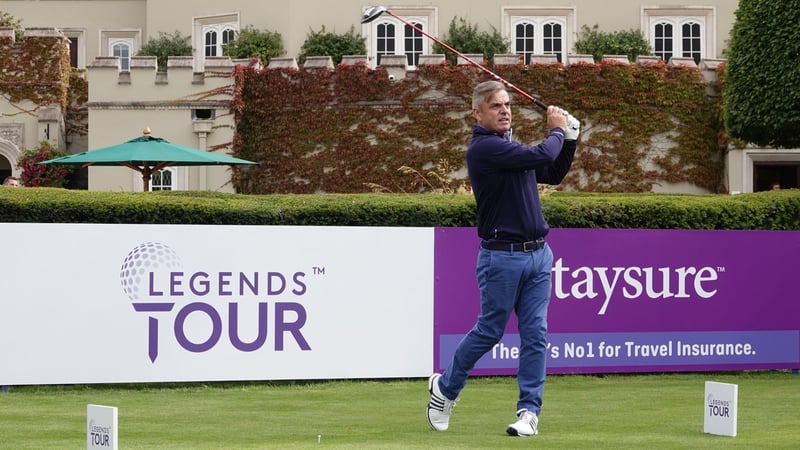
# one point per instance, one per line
(143, 259)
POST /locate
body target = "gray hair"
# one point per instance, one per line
(485, 90)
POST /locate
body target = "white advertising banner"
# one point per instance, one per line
(89, 303)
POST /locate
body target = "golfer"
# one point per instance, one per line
(514, 261)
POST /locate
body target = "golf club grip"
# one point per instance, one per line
(535, 100)
(540, 104)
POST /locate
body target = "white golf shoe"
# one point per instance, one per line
(526, 424)
(440, 407)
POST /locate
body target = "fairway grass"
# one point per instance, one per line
(663, 411)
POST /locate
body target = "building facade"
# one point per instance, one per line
(105, 35)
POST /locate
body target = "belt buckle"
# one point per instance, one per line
(531, 246)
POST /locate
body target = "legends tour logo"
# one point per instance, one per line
(155, 280)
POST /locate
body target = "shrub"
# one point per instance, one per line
(592, 41)
(762, 73)
(251, 43)
(7, 20)
(466, 38)
(322, 43)
(167, 45)
(35, 174)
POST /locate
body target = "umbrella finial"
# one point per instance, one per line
(146, 131)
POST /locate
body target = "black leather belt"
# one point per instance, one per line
(530, 246)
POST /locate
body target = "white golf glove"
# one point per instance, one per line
(573, 128)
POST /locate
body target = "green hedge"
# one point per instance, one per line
(773, 210)
(762, 72)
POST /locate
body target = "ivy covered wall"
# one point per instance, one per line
(353, 129)
(36, 69)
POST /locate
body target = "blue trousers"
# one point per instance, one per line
(509, 282)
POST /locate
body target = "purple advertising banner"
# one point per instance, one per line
(640, 301)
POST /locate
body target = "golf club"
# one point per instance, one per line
(373, 12)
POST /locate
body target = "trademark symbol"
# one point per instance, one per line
(318, 270)
(721, 269)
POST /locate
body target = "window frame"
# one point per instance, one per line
(124, 60)
(538, 23)
(426, 16)
(539, 17)
(79, 35)
(224, 32)
(678, 16)
(218, 23)
(132, 38)
(173, 186)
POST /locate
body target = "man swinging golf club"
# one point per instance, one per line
(514, 260)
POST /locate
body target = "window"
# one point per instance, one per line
(783, 174)
(122, 50)
(210, 33)
(413, 42)
(390, 36)
(678, 39)
(544, 36)
(73, 52)
(77, 46)
(122, 44)
(216, 36)
(681, 32)
(163, 180)
(757, 169)
(203, 114)
(385, 40)
(539, 31)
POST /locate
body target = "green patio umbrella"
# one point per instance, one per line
(147, 155)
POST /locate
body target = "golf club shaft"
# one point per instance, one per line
(535, 100)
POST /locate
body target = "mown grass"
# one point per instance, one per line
(663, 411)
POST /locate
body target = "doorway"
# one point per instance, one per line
(5, 168)
(785, 175)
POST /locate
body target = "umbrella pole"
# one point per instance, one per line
(145, 171)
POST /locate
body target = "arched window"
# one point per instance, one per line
(691, 41)
(390, 36)
(163, 180)
(216, 36)
(122, 50)
(413, 42)
(524, 38)
(384, 40)
(120, 43)
(663, 40)
(228, 35)
(538, 36)
(210, 34)
(672, 34)
(210, 43)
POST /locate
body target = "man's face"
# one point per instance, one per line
(13, 183)
(495, 113)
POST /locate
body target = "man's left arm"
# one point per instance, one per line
(554, 173)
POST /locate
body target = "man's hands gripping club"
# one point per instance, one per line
(560, 118)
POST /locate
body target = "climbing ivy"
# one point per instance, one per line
(353, 129)
(36, 69)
